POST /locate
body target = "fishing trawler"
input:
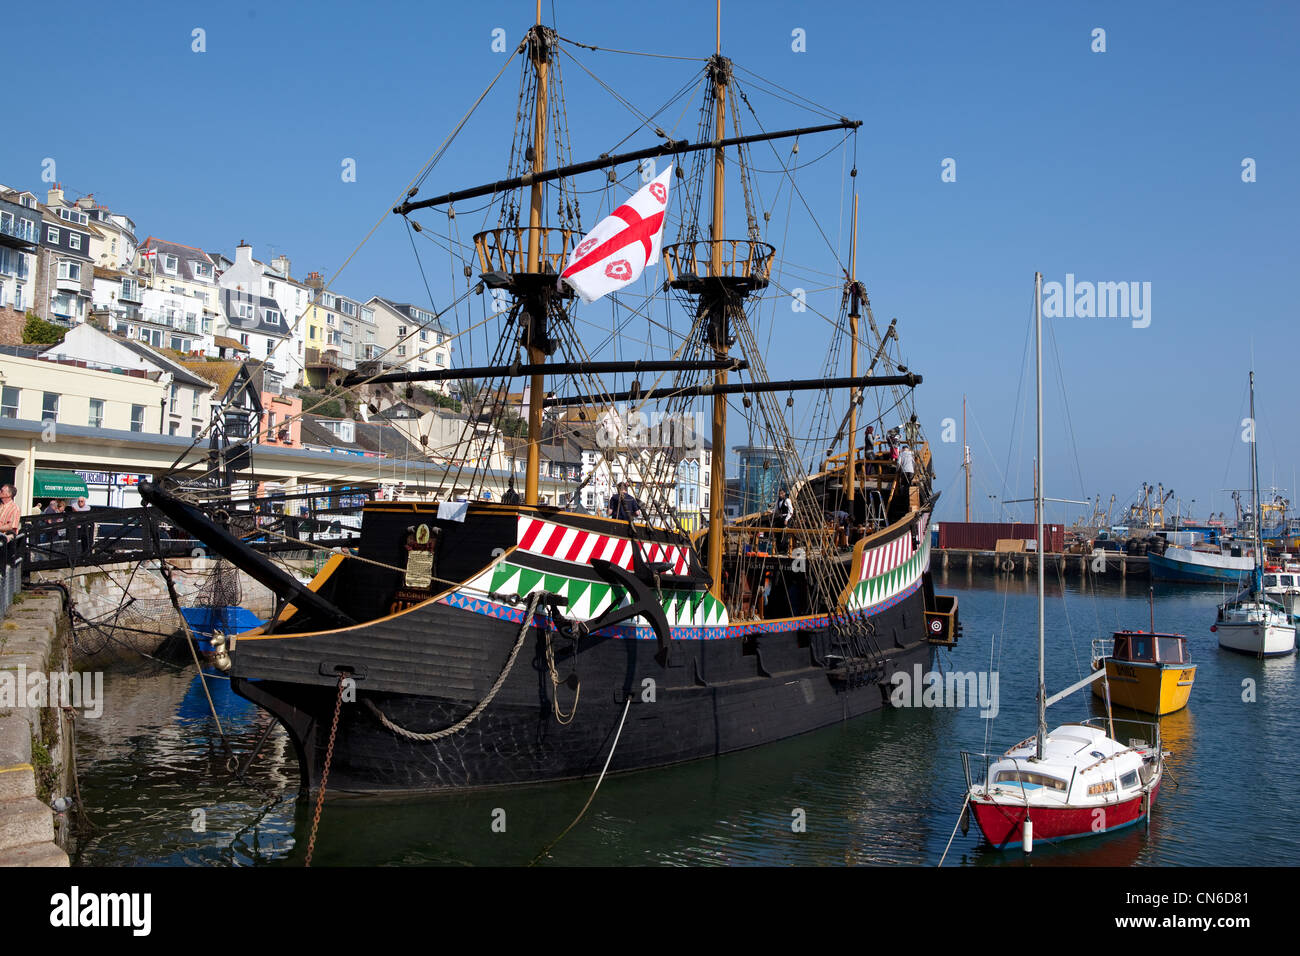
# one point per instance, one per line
(472, 644)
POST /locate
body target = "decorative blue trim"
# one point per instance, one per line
(505, 612)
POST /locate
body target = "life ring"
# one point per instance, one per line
(1009, 564)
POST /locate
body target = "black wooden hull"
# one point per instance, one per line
(428, 667)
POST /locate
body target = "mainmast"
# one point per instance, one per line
(720, 71)
(539, 52)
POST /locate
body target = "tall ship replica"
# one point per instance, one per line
(487, 643)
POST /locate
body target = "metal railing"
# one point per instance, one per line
(12, 551)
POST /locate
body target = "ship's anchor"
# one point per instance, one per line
(644, 602)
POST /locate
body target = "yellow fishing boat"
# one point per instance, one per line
(1146, 671)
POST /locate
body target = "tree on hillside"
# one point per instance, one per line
(39, 332)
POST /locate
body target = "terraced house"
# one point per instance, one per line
(64, 277)
(257, 323)
(20, 227)
(180, 297)
(411, 338)
(273, 283)
(335, 330)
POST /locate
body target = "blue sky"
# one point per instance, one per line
(1115, 166)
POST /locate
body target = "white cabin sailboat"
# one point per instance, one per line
(1076, 780)
(1253, 622)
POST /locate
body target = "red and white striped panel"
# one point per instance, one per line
(886, 557)
(579, 547)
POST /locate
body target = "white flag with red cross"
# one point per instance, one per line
(617, 251)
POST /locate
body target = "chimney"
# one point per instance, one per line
(314, 281)
(281, 265)
(243, 254)
(87, 201)
(55, 196)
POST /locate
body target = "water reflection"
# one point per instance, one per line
(885, 788)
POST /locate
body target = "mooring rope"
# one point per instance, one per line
(547, 849)
(964, 805)
(534, 599)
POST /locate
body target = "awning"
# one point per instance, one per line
(52, 483)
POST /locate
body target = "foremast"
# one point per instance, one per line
(534, 330)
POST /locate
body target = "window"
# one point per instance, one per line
(311, 332)
(272, 317)
(327, 299)
(130, 290)
(424, 336)
(1129, 779)
(74, 241)
(178, 344)
(9, 402)
(347, 308)
(244, 310)
(18, 298)
(440, 359)
(72, 215)
(243, 339)
(137, 418)
(270, 346)
(194, 412)
(172, 395)
(70, 270)
(52, 235)
(270, 287)
(367, 315)
(1028, 778)
(329, 318)
(96, 419)
(401, 351)
(201, 269)
(170, 263)
(401, 331)
(50, 406)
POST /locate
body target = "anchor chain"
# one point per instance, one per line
(325, 774)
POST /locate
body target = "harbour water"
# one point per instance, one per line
(884, 789)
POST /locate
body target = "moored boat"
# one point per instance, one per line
(1252, 623)
(1145, 671)
(481, 644)
(1077, 780)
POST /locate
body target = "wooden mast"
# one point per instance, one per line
(718, 469)
(540, 52)
(851, 485)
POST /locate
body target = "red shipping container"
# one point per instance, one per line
(984, 535)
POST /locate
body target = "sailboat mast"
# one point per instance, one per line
(539, 50)
(1258, 577)
(1038, 508)
(718, 471)
(965, 451)
(851, 489)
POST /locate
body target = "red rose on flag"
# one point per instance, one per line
(622, 269)
(659, 191)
